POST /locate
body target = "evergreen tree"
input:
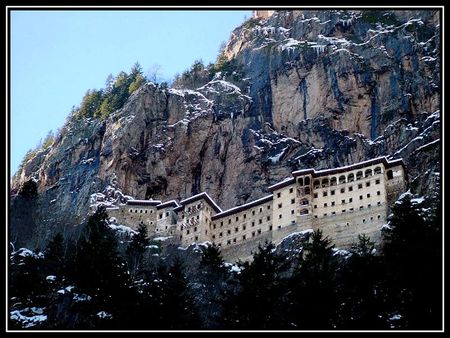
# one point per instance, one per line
(54, 255)
(137, 247)
(258, 302)
(360, 291)
(212, 278)
(312, 295)
(99, 271)
(176, 308)
(413, 254)
(29, 189)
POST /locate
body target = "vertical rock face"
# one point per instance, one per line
(318, 89)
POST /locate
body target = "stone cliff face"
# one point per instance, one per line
(320, 89)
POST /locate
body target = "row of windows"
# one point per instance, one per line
(325, 182)
(244, 216)
(141, 211)
(345, 210)
(350, 200)
(342, 190)
(291, 190)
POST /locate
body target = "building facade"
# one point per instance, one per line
(343, 202)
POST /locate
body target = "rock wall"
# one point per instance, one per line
(321, 88)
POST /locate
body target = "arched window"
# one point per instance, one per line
(351, 177)
(325, 182)
(359, 175)
(377, 170)
(307, 180)
(368, 173)
(389, 175)
(300, 181)
(333, 181)
(304, 212)
(316, 184)
(341, 179)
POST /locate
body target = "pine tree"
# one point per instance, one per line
(212, 278)
(137, 247)
(413, 255)
(176, 308)
(258, 302)
(54, 255)
(312, 296)
(99, 271)
(360, 291)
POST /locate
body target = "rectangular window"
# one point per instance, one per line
(220, 234)
(333, 203)
(369, 205)
(236, 229)
(368, 195)
(291, 190)
(195, 229)
(260, 221)
(243, 238)
(279, 195)
(229, 242)
(378, 203)
(378, 192)
(367, 184)
(293, 201)
(279, 227)
(360, 207)
(360, 197)
(268, 218)
(253, 234)
(325, 214)
(229, 232)
(270, 228)
(342, 190)
(333, 213)
(214, 225)
(292, 212)
(377, 181)
(234, 240)
(253, 224)
(245, 216)
(160, 216)
(279, 216)
(343, 201)
(221, 224)
(325, 193)
(279, 205)
(187, 232)
(229, 221)
(360, 186)
(315, 206)
(332, 192)
(260, 209)
(350, 188)
(315, 195)
(268, 207)
(325, 205)
(196, 238)
(244, 227)
(350, 200)
(253, 212)
(167, 214)
(237, 219)
(259, 231)
(213, 236)
(343, 210)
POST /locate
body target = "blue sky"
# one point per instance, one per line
(57, 55)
